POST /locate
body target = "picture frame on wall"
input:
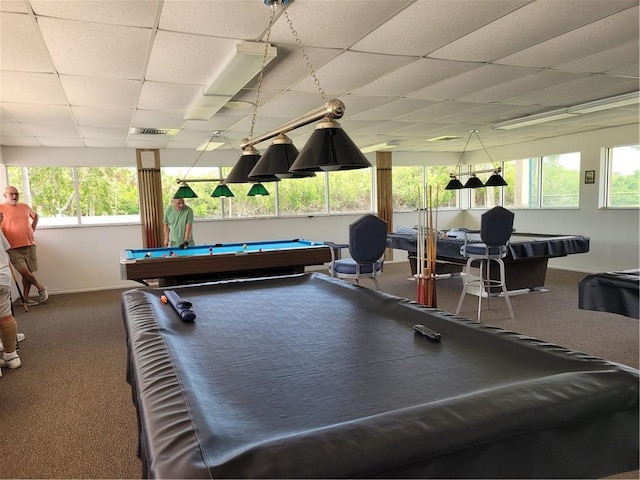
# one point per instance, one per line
(590, 176)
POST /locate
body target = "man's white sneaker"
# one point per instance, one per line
(30, 302)
(43, 295)
(20, 337)
(12, 364)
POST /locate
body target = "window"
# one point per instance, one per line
(350, 190)
(487, 197)
(523, 185)
(407, 182)
(302, 196)
(561, 180)
(552, 181)
(204, 207)
(622, 182)
(78, 195)
(439, 177)
(108, 195)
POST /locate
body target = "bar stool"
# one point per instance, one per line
(496, 227)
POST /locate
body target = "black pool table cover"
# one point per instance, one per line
(307, 376)
(614, 292)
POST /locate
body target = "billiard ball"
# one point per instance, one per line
(244, 245)
(147, 255)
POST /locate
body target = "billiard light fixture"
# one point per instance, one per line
(185, 191)
(257, 190)
(328, 149)
(495, 180)
(221, 191)
(275, 162)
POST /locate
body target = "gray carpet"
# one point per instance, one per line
(67, 413)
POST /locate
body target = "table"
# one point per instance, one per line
(174, 266)
(310, 376)
(526, 261)
(614, 292)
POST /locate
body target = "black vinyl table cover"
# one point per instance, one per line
(308, 376)
(614, 292)
(522, 246)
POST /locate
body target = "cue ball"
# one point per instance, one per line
(244, 246)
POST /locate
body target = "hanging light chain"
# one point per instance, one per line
(306, 58)
(264, 63)
(485, 148)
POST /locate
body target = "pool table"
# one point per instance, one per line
(175, 266)
(308, 376)
(525, 263)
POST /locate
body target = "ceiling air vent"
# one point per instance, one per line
(152, 131)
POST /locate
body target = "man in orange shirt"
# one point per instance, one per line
(18, 224)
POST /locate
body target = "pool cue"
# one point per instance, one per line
(24, 304)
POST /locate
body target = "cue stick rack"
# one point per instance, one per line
(427, 243)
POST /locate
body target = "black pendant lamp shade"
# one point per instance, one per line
(240, 172)
(328, 149)
(495, 180)
(474, 182)
(276, 162)
(454, 184)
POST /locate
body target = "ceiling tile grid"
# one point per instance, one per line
(79, 73)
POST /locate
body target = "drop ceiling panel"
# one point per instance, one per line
(136, 14)
(12, 129)
(33, 113)
(469, 82)
(167, 96)
(521, 85)
(22, 48)
(427, 25)
(101, 92)
(527, 26)
(414, 76)
(352, 70)
(158, 119)
(38, 88)
(290, 67)
(49, 130)
(609, 32)
(189, 59)
(103, 132)
(613, 61)
(242, 19)
(337, 28)
(97, 50)
(393, 110)
(103, 116)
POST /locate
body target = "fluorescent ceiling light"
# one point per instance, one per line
(606, 103)
(588, 107)
(380, 146)
(242, 66)
(208, 146)
(443, 138)
(533, 119)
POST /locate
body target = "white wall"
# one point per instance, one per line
(87, 257)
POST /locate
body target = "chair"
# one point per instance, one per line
(496, 227)
(367, 244)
